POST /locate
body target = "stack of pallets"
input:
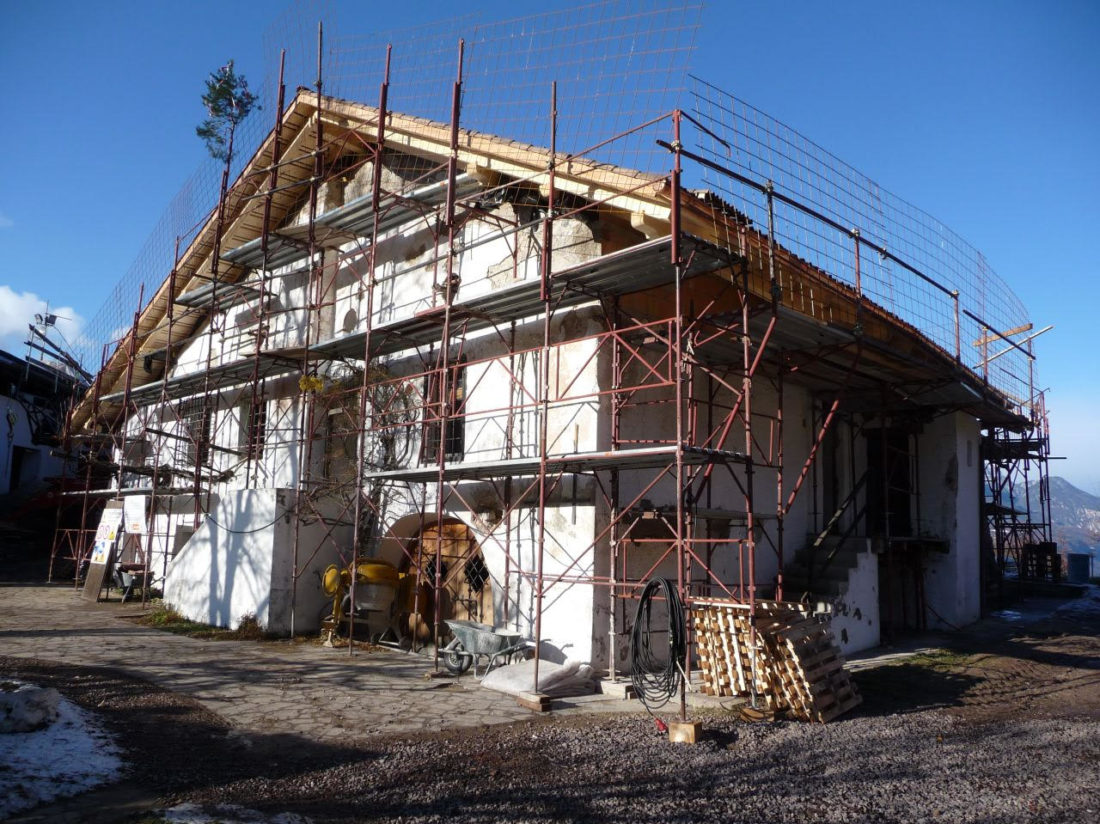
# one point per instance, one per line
(785, 656)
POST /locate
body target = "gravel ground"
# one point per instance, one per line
(920, 767)
(1001, 726)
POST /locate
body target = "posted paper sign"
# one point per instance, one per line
(134, 509)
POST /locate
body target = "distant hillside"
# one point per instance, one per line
(1076, 517)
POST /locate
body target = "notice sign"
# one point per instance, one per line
(110, 523)
(106, 535)
(101, 553)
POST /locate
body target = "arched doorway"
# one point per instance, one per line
(466, 591)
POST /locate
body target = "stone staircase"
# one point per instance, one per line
(828, 583)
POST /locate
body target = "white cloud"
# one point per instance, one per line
(5, 221)
(17, 310)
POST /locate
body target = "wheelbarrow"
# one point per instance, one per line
(475, 643)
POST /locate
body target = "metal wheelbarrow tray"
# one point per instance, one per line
(474, 643)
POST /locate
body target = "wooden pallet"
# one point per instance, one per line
(790, 657)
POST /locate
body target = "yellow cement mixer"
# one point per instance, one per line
(385, 605)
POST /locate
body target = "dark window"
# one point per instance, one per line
(429, 570)
(454, 411)
(253, 427)
(195, 417)
(476, 573)
(889, 483)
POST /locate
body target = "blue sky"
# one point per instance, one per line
(985, 114)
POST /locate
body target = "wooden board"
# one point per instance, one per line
(103, 551)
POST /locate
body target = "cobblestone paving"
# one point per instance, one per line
(262, 687)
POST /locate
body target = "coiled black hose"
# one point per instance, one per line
(655, 665)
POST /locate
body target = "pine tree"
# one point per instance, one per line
(228, 101)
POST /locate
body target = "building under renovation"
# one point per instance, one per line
(532, 379)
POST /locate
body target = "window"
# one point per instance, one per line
(137, 454)
(454, 437)
(476, 573)
(194, 415)
(252, 429)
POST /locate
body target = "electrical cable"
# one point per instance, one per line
(223, 527)
(932, 609)
(655, 673)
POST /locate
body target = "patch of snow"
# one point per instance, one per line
(226, 814)
(71, 756)
(27, 708)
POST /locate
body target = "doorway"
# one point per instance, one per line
(890, 482)
(466, 591)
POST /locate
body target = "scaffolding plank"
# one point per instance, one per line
(649, 458)
(629, 270)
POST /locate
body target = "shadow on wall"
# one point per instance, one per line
(223, 572)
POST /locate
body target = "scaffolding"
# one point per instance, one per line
(629, 357)
(1017, 502)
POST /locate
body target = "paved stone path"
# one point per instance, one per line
(265, 687)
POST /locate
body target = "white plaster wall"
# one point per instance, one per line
(173, 513)
(296, 607)
(567, 609)
(241, 561)
(950, 509)
(855, 612)
(224, 572)
(234, 338)
(657, 421)
(408, 264)
(510, 551)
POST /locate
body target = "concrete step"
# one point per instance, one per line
(834, 572)
(828, 581)
(795, 588)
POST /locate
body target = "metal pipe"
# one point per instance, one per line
(859, 282)
(276, 149)
(881, 250)
(131, 352)
(544, 369)
(365, 388)
(307, 415)
(1001, 335)
(613, 528)
(678, 366)
(779, 513)
(443, 381)
(958, 333)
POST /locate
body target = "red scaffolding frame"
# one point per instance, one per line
(701, 310)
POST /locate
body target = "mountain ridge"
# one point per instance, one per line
(1074, 515)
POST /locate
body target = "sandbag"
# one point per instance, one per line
(555, 680)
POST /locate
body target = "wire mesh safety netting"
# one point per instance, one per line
(617, 65)
(830, 200)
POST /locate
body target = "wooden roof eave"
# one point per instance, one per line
(624, 189)
(196, 258)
